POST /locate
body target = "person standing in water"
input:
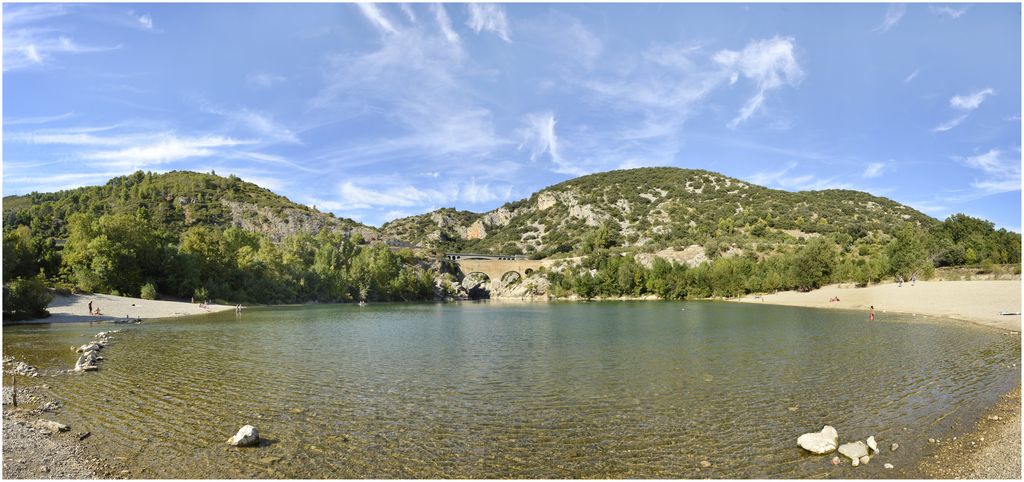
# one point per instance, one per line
(90, 307)
(871, 315)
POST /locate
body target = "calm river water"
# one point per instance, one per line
(608, 389)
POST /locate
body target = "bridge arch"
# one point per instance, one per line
(511, 277)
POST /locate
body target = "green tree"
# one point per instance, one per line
(906, 252)
(26, 298)
(813, 264)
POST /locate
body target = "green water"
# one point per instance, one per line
(609, 390)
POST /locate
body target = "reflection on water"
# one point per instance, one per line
(630, 389)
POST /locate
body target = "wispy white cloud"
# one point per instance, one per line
(72, 136)
(539, 136)
(791, 178)
(257, 122)
(769, 63)
(37, 120)
(874, 169)
(438, 119)
(27, 47)
(490, 17)
(966, 104)
(409, 14)
(359, 197)
(143, 21)
(16, 15)
(970, 101)
(893, 15)
(947, 11)
(162, 149)
(945, 126)
(444, 23)
(376, 17)
(1002, 172)
(910, 78)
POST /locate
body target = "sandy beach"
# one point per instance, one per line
(75, 308)
(979, 301)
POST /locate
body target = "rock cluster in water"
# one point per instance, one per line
(19, 367)
(90, 351)
(827, 440)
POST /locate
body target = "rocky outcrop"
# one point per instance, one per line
(820, 443)
(247, 436)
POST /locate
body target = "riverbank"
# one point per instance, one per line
(992, 450)
(978, 302)
(75, 308)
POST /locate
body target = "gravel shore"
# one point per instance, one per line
(992, 450)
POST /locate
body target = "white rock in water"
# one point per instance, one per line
(854, 450)
(50, 425)
(245, 437)
(873, 444)
(91, 346)
(888, 466)
(819, 442)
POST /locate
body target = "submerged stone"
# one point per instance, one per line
(820, 443)
(246, 436)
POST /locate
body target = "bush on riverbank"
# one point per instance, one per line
(26, 299)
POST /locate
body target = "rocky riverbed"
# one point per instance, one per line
(992, 450)
(37, 445)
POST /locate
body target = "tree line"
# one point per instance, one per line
(129, 254)
(125, 254)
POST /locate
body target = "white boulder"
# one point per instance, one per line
(854, 450)
(872, 444)
(91, 346)
(822, 442)
(246, 436)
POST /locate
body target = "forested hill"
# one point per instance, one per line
(173, 202)
(674, 233)
(651, 209)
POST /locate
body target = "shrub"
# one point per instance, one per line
(26, 299)
(148, 291)
(201, 294)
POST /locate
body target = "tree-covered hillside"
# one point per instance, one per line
(175, 201)
(651, 209)
(669, 232)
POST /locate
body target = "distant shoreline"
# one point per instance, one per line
(979, 302)
(75, 308)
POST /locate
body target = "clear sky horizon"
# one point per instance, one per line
(378, 111)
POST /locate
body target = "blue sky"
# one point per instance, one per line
(380, 111)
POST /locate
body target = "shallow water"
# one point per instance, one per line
(608, 390)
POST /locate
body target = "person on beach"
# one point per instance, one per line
(913, 279)
(900, 280)
(871, 316)
(90, 307)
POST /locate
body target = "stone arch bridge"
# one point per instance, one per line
(495, 266)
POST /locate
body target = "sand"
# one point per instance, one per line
(75, 308)
(979, 301)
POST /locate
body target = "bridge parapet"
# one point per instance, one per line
(498, 257)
